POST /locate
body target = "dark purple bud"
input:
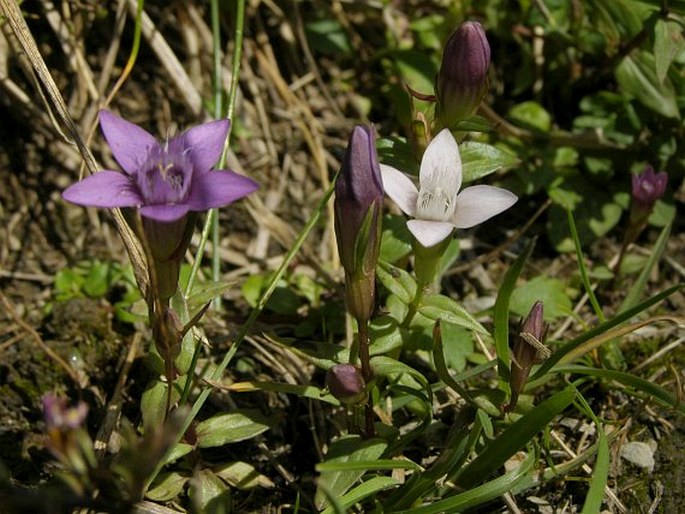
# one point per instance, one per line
(358, 198)
(60, 417)
(648, 187)
(528, 349)
(463, 77)
(344, 381)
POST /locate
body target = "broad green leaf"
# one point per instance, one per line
(167, 486)
(364, 490)
(397, 281)
(243, 476)
(457, 343)
(550, 291)
(387, 367)
(205, 292)
(416, 69)
(328, 36)
(531, 114)
(396, 239)
(480, 159)
(230, 428)
(668, 43)
(397, 152)
(209, 493)
(153, 404)
(97, 282)
(346, 449)
(595, 210)
(178, 451)
(636, 74)
(437, 306)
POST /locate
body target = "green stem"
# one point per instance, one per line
(245, 329)
(367, 374)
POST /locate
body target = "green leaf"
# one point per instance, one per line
(395, 239)
(477, 495)
(387, 367)
(513, 438)
(397, 152)
(437, 306)
(550, 291)
(417, 71)
(640, 284)
(153, 404)
(531, 114)
(348, 449)
(230, 428)
(328, 36)
(243, 476)
(595, 210)
(636, 74)
(501, 314)
(600, 331)
(480, 159)
(369, 488)
(209, 493)
(397, 281)
(668, 43)
(167, 486)
(205, 292)
(457, 343)
(97, 281)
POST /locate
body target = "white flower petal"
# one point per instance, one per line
(429, 233)
(441, 164)
(400, 189)
(476, 204)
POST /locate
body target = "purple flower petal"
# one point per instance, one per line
(206, 142)
(429, 233)
(130, 144)
(165, 213)
(218, 188)
(104, 189)
(400, 189)
(476, 204)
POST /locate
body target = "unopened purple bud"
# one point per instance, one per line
(358, 198)
(528, 349)
(648, 187)
(60, 417)
(463, 77)
(344, 381)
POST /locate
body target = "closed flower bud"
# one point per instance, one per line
(648, 187)
(358, 198)
(344, 382)
(463, 77)
(528, 349)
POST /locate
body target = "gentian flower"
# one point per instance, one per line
(358, 201)
(344, 382)
(528, 349)
(647, 188)
(437, 206)
(462, 79)
(166, 182)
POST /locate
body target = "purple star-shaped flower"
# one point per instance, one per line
(165, 180)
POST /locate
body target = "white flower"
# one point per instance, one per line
(436, 207)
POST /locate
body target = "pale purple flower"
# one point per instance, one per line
(165, 180)
(647, 188)
(437, 206)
